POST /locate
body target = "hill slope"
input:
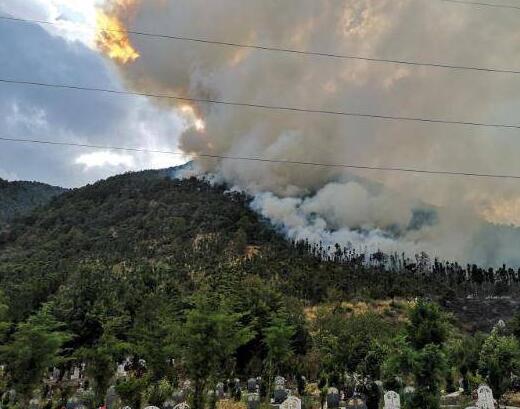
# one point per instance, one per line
(20, 198)
(184, 234)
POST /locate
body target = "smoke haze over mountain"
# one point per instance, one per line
(367, 208)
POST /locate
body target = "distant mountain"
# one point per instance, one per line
(20, 198)
(179, 233)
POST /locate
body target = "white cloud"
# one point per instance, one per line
(105, 159)
(75, 19)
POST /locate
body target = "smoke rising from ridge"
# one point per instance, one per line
(373, 209)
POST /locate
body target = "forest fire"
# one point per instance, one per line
(112, 38)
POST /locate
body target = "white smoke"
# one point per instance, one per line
(374, 209)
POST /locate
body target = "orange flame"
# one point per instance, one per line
(112, 36)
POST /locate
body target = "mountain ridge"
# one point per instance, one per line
(19, 198)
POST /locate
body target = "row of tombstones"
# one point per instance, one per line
(485, 399)
(281, 397)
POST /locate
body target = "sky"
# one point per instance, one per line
(66, 54)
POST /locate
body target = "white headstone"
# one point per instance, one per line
(279, 381)
(56, 374)
(121, 371)
(292, 402)
(182, 405)
(75, 373)
(485, 397)
(392, 400)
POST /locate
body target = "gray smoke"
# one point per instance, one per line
(367, 208)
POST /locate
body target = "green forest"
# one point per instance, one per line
(180, 280)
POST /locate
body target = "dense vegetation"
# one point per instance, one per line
(20, 198)
(155, 268)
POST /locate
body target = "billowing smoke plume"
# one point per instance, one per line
(444, 215)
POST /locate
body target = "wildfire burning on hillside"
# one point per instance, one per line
(446, 216)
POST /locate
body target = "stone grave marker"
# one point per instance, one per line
(392, 400)
(292, 402)
(252, 385)
(333, 398)
(169, 404)
(179, 396)
(356, 403)
(56, 373)
(219, 390)
(182, 405)
(279, 381)
(34, 403)
(75, 374)
(121, 370)
(279, 394)
(253, 401)
(485, 397)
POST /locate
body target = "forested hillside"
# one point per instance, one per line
(20, 198)
(152, 267)
(156, 225)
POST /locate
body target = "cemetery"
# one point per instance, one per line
(413, 375)
(233, 394)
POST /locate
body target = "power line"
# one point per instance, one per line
(478, 3)
(287, 50)
(262, 106)
(266, 160)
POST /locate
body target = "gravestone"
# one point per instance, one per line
(169, 404)
(121, 370)
(279, 381)
(392, 400)
(253, 401)
(485, 397)
(220, 391)
(151, 407)
(279, 394)
(252, 385)
(333, 398)
(179, 396)
(356, 403)
(56, 373)
(75, 374)
(182, 405)
(292, 402)
(34, 403)
(236, 390)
